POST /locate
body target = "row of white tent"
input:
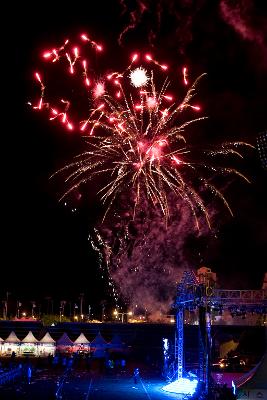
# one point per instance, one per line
(47, 345)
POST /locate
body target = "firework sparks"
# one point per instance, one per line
(137, 138)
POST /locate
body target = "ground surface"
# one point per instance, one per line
(87, 386)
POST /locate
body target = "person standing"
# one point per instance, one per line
(29, 375)
(136, 375)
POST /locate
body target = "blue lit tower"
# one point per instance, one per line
(185, 295)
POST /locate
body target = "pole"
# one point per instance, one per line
(7, 293)
(81, 303)
(180, 339)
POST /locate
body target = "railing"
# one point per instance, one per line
(242, 296)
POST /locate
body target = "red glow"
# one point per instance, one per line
(70, 126)
(76, 52)
(120, 126)
(148, 57)
(47, 55)
(84, 37)
(99, 47)
(164, 113)
(168, 97)
(176, 160)
(84, 126)
(134, 57)
(151, 102)
(87, 82)
(164, 67)
(38, 77)
(197, 108)
(185, 76)
(162, 142)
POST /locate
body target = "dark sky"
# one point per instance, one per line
(44, 247)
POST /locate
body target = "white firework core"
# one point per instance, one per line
(99, 90)
(139, 77)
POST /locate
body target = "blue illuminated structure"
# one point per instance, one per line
(182, 386)
(191, 293)
(198, 293)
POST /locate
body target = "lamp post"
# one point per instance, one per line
(33, 307)
(19, 304)
(81, 303)
(116, 313)
(61, 309)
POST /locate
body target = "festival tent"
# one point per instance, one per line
(47, 345)
(253, 385)
(64, 344)
(81, 343)
(99, 346)
(29, 345)
(12, 343)
(116, 345)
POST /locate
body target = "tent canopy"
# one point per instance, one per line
(12, 338)
(81, 339)
(64, 340)
(98, 341)
(47, 338)
(29, 338)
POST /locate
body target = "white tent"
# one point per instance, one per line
(1, 345)
(47, 339)
(47, 345)
(29, 338)
(12, 343)
(81, 343)
(81, 339)
(12, 338)
(29, 345)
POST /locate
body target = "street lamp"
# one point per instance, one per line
(116, 313)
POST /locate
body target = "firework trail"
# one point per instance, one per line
(136, 135)
(139, 153)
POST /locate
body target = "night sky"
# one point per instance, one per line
(45, 248)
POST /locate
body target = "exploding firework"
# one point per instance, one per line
(137, 135)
